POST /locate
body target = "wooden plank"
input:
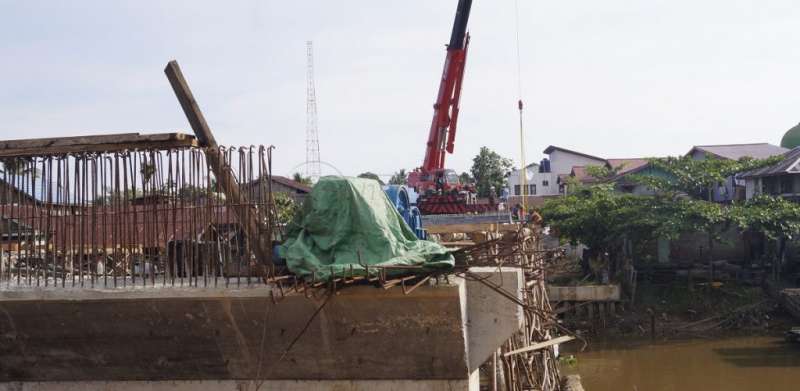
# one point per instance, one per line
(103, 143)
(466, 228)
(541, 345)
(91, 140)
(258, 234)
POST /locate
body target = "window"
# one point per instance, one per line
(771, 185)
(545, 183)
(787, 184)
(532, 189)
(517, 190)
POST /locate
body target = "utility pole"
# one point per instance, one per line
(312, 134)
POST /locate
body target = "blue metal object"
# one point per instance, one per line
(402, 198)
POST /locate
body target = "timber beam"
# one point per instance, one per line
(95, 143)
(469, 228)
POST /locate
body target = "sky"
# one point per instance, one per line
(612, 78)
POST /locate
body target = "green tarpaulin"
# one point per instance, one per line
(343, 218)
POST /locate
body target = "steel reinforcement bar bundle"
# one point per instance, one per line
(528, 360)
(132, 218)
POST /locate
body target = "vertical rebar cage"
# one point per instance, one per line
(133, 218)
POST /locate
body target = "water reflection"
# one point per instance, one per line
(738, 364)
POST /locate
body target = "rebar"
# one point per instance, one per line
(132, 218)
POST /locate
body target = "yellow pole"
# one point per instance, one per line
(523, 172)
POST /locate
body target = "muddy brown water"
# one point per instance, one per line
(731, 364)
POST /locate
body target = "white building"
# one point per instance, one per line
(543, 179)
(538, 183)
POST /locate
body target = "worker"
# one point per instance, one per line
(534, 217)
(516, 212)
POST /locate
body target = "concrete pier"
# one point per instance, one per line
(172, 338)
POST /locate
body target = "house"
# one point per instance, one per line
(537, 181)
(626, 168)
(562, 160)
(280, 184)
(546, 178)
(782, 178)
(622, 170)
(14, 234)
(733, 188)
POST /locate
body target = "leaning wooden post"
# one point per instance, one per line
(256, 231)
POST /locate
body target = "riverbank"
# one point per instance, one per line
(664, 312)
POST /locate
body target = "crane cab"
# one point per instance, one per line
(436, 181)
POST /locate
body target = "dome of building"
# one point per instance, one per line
(792, 138)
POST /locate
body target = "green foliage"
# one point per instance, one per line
(285, 208)
(570, 360)
(148, 170)
(696, 178)
(490, 170)
(298, 177)
(370, 175)
(19, 166)
(601, 218)
(465, 178)
(775, 217)
(603, 173)
(399, 178)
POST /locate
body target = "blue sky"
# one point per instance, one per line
(612, 78)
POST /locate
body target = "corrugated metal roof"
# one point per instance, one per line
(786, 166)
(291, 183)
(627, 165)
(552, 148)
(582, 175)
(738, 151)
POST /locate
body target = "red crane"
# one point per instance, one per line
(439, 188)
(441, 137)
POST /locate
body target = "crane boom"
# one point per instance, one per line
(441, 137)
(439, 188)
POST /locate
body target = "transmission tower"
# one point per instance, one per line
(312, 135)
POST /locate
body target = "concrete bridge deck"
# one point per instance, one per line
(172, 338)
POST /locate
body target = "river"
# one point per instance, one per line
(731, 364)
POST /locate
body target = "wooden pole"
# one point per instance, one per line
(258, 234)
(494, 371)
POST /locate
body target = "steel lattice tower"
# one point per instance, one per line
(312, 135)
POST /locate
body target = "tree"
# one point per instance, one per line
(399, 178)
(148, 171)
(297, 177)
(465, 178)
(370, 175)
(490, 170)
(697, 178)
(285, 208)
(19, 166)
(604, 220)
(776, 218)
